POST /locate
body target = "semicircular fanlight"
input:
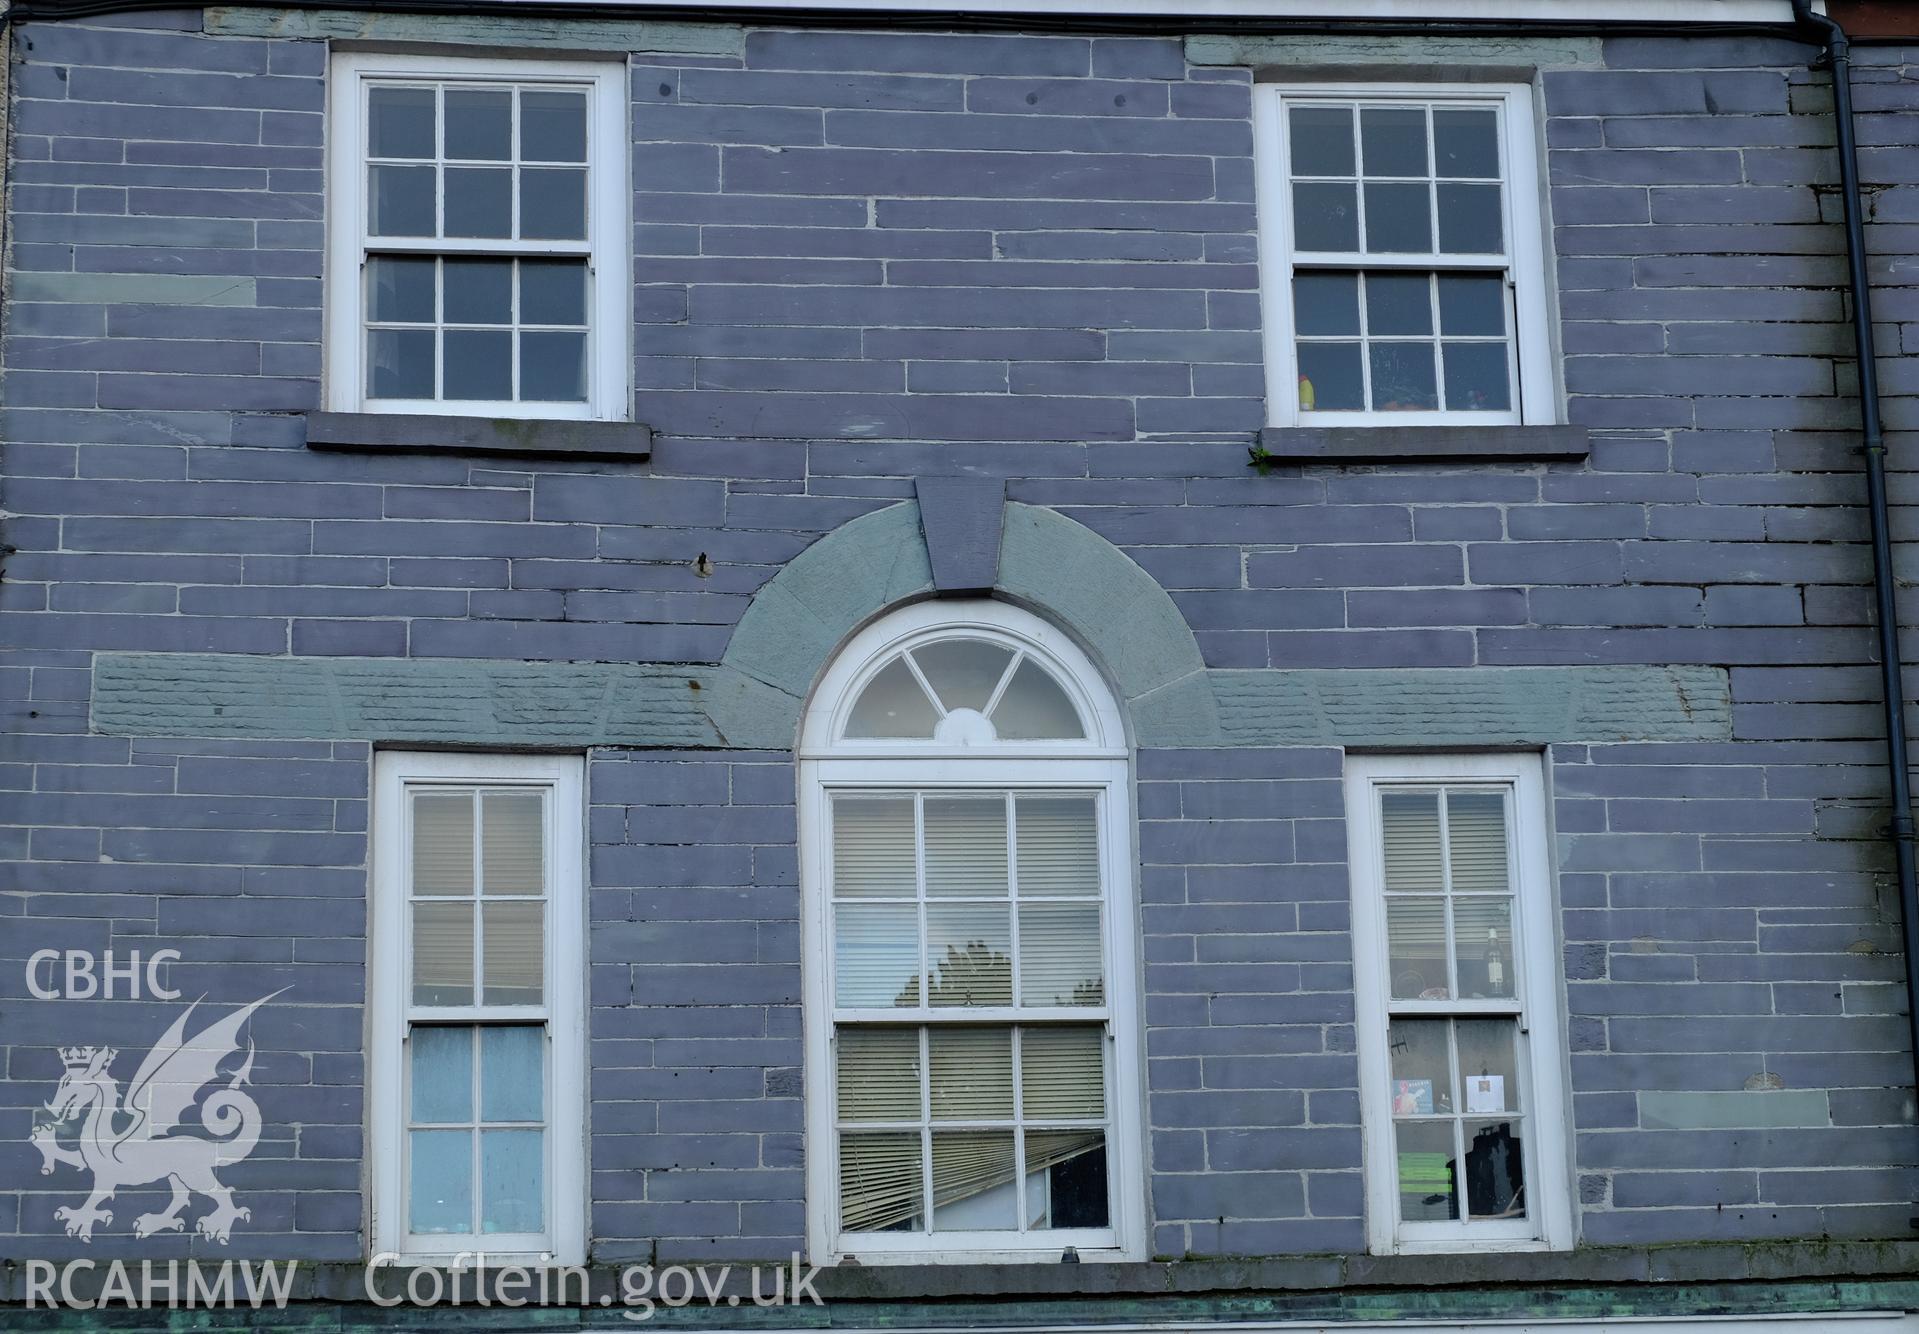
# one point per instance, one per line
(1001, 693)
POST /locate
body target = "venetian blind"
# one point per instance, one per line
(965, 846)
(1057, 842)
(1409, 829)
(443, 842)
(1476, 841)
(873, 847)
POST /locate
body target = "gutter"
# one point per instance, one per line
(1884, 587)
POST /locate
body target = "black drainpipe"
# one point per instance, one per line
(1884, 588)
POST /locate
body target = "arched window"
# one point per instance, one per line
(973, 1086)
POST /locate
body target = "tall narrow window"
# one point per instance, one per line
(1402, 256)
(1454, 945)
(479, 247)
(974, 1066)
(477, 1033)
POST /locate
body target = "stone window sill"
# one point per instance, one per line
(384, 433)
(1419, 444)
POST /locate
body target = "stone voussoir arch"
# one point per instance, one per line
(1046, 562)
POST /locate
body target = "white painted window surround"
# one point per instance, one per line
(1456, 979)
(1397, 222)
(476, 1013)
(971, 999)
(478, 242)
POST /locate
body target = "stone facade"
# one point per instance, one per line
(863, 256)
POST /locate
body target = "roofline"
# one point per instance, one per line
(1142, 15)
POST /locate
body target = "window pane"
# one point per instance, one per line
(441, 1074)
(1325, 217)
(479, 291)
(963, 672)
(400, 290)
(1422, 1081)
(1470, 220)
(440, 1181)
(1321, 140)
(1487, 1078)
(1326, 303)
(1466, 143)
(515, 951)
(1483, 945)
(881, 1182)
(443, 954)
(892, 705)
(1063, 1072)
(400, 122)
(1409, 825)
(1399, 303)
(1057, 842)
(1034, 708)
(973, 1181)
(1476, 841)
(1330, 378)
(1428, 1170)
(1066, 1179)
(1472, 304)
(968, 954)
(873, 847)
(552, 291)
(512, 842)
(400, 363)
(876, 954)
(879, 1073)
(553, 203)
(1059, 954)
(553, 367)
(479, 364)
(1495, 1169)
(479, 201)
(972, 1076)
(1416, 944)
(552, 126)
(1393, 141)
(1404, 379)
(965, 845)
(1477, 377)
(512, 1180)
(400, 201)
(513, 1073)
(479, 124)
(1398, 219)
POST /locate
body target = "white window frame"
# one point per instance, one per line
(390, 1010)
(1540, 1044)
(607, 248)
(1099, 765)
(1536, 392)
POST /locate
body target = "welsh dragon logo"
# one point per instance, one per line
(139, 1141)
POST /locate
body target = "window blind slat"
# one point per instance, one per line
(1409, 831)
(1060, 955)
(878, 1074)
(1063, 1072)
(873, 847)
(1476, 841)
(1058, 845)
(972, 1074)
(881, 1183)
(966, 846)
(443, 842)
(512, 835)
